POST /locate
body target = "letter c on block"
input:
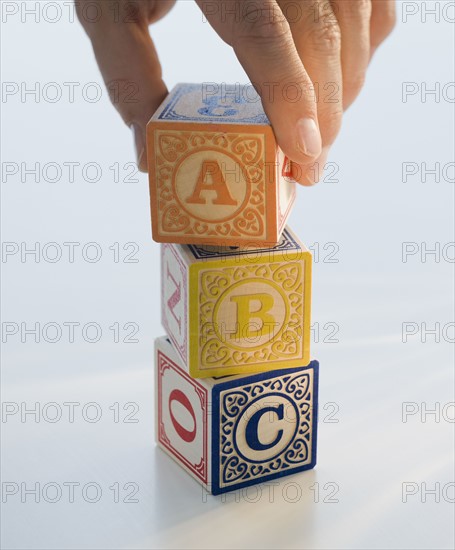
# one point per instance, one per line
(180, 397)
(251, 432)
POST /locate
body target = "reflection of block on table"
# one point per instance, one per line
(216, 173)
(236, 431)
(238, 310)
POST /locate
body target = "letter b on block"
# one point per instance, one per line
(233, 310)
(216, 174)
(239, 430)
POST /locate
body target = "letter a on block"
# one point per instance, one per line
(218, 186)
(216, 173)
(236, 431)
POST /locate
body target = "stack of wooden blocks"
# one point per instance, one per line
(236, 393)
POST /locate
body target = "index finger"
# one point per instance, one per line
(262, 40)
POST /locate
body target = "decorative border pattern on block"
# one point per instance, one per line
(210, 106)
(200, 470)
(283, 216)
(286, 244)
(230, 468)
(287, 278)
(182, 348)
(248, 150)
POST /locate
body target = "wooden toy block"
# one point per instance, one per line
(216, 174)
(237, 310)
(236, 431)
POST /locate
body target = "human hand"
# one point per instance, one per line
(306, 58)
(127, 58)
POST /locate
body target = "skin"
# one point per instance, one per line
(319, 49)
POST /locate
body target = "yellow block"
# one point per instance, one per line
(238, 310)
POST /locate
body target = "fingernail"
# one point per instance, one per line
(309, 137)
(313, 173)
(139, 144)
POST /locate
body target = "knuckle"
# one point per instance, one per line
(159, 9)
(389, 23)
(363, 8)
(358, 9)
(384, 25)
(263, 26)
(326, 36)
(133, 12)
(80, 8)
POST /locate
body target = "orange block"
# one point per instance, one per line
(216, 174)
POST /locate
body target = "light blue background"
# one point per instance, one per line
(369, 212)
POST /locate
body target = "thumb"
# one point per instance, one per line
(131, 71)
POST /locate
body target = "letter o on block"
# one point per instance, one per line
(236, 431)
(181, 416)
(186, 434)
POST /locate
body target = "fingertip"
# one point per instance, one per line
(304, 175)
(139, 145)
(309, 175)
(303, 145)
(142, 162)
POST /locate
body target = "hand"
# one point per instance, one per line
(127, 58)
(306, 58)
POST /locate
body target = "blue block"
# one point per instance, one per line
(236, 431)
